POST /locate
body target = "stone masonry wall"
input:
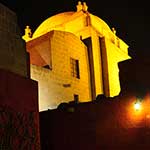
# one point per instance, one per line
(13, 56)
(57, 85)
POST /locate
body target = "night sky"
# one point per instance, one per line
(130, 18)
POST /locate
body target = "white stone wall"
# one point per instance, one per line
(57, 85)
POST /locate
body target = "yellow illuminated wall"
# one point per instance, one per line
(56, 85)
(82, 36)
(114, 54)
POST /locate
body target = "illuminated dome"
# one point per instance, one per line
(52, 22)
(58, 22)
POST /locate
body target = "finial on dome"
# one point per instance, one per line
(85, 7)
(113, 30)
(79, 6)
(28, 34)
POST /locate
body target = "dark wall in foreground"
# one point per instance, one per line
(19, 114)
(106, 124)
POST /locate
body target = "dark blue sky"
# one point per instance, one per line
(131, 18)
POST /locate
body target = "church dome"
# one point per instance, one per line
(52, 22)
(57, 22)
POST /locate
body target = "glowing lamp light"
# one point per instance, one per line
(137, 106)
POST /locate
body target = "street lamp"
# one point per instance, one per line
(137, 105)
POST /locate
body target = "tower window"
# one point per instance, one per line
(74, 64)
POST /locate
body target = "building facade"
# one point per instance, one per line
(74, 56)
